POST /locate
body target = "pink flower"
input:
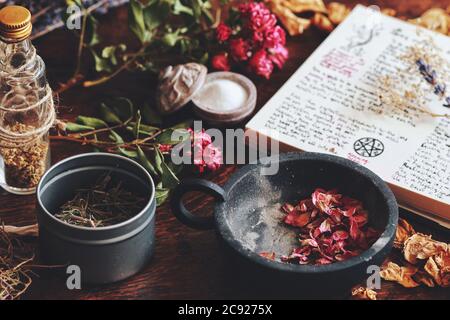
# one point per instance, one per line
(221, 62)
(201, 138)
(278, 55)
(260, 64)
(206, 155)
(274, 37)
(223, 32)
(260, 17)
(240, 49)
(165, 147)
(212, 157)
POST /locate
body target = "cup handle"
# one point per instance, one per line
(180, 211)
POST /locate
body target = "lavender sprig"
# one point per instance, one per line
(430, 75)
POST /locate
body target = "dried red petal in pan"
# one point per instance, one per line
(297, 220)
(340, 235)
(332, 228)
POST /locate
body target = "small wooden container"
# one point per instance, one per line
(183, 84)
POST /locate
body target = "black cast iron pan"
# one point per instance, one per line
(247, 217)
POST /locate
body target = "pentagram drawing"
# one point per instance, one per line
(368, 147)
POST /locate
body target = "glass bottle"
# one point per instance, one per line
(26, 105)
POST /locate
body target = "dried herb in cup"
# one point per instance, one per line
(104, 204)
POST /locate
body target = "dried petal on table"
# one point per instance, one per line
(364, 293)
(389, 12)
(403, 232)
(421, 247)
(322, 22)
(293, 24)
(337, 12)
(434, 19)
(424, 278)
(439, 268)
(403, 275)
(300, 6)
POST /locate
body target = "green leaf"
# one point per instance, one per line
(183, 125)
(145, 162)
(170, 39)
(179, 8)
(128, 153)
(156, 14)
(168, 178)
(114, 136)
(166, 136)
(101, 64)
(150, 116)
(137, 125)
(136, 20)
(110, 53)
(159, 159)
(92, 36)
(92, 122)
(122, 107)
(108, 115)
(162, 194)
(75, 127)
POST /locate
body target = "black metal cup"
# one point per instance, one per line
(103, 254)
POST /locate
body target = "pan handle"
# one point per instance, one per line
(180, 211)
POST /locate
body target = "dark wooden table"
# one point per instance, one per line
(188, 264)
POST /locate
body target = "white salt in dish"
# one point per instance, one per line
(225, 98)
(220, 98)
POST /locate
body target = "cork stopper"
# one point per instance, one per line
(15, 24)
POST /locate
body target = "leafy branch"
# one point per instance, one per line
(167, 31)
(136, 134)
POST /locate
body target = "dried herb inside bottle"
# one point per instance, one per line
(104, 204)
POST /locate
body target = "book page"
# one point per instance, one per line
(332, 105)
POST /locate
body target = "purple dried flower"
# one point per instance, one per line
(447, 102)
(440, 89)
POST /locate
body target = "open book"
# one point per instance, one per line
(332, 104)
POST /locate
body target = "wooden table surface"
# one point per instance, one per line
(187, 264)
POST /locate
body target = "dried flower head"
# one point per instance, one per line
(439, 268)
(403, 275)
(421, 247)
(364, 293)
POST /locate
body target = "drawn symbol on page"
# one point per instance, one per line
(368, 147)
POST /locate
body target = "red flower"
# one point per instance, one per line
(240, 49)
(223, 32)
(221, 62)
(261, 64)
(165, 147)
(278, 55)
(274, 37)
(260, 17)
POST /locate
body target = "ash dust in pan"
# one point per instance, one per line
(256, 219)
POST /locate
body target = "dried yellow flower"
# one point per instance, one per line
(439, 268)
(434, 19)
(337, 12)
(364, 293)
(322, 22)
(403, 232)
(300, 6)
(293, 24)
(389, 12)
(425, 278)
(421, 247)
(403, 275)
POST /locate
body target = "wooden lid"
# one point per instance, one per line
(177, 85)
(15, 23)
